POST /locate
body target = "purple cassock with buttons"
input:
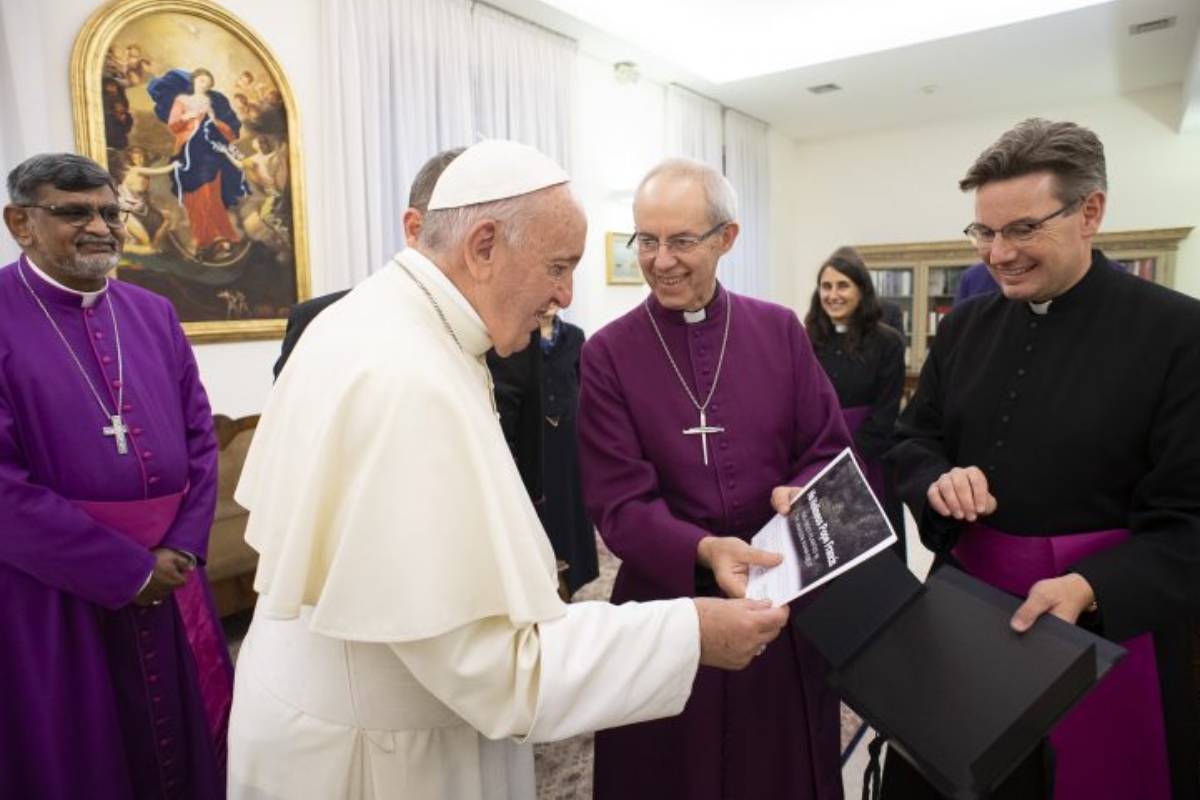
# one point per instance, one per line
(770, 730)
(104, 698)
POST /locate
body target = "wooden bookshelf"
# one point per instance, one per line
(922, 277)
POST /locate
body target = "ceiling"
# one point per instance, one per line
(1069, 57)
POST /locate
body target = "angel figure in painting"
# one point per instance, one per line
(208, 176)
(147, 223)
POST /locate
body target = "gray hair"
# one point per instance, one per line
(718, 191)
(1071, 152)
(443, 227)
(66, 172)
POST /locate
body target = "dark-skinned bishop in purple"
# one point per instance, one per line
(104, 699)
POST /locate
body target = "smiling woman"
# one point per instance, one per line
(864, 360)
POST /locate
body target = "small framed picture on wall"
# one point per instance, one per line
(620, 258)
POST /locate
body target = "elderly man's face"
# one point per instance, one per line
(1057, 254)
(673, 210)
(539, 272)
(66, 235)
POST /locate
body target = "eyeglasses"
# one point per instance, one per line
(675, 244)
(79, 215)
(1019, 231)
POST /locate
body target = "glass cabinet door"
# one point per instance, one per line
(942, 287)
(895, 286)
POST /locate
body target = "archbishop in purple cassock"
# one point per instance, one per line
(770, 730)
(104, 698)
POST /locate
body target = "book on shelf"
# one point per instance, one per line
(936, 316)
(943, 281)
(892, 283)
(1141, 267)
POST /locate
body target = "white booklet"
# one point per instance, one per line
(835, 522)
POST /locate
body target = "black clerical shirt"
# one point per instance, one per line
(873, 377)
(1084, 418)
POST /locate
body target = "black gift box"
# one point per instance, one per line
(937, 670)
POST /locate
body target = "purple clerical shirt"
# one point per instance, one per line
(103, 697)
(645, 482)
(770, 730)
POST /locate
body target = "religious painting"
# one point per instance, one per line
(192, 115)
(621, 261)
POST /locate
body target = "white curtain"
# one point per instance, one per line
(398, 78)
(700, 128)
(523, 81)
(694, 127)
(23, 78)
(409, 78)
(745, 268)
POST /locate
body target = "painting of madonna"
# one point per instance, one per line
(193, 117)
(208, 178)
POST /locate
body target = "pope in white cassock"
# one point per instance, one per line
(408, 640)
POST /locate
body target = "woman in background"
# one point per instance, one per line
(864, 360)
(562, 513)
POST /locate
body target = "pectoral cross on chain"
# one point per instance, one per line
(703, 430)
(118, 430)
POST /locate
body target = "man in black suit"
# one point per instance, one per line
(517, 379)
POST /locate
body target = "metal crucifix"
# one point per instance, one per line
(703, 430)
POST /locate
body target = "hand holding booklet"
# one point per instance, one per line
(834, 523)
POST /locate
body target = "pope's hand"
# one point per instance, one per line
(730, 559)
(782, 497)
(733, 632)
(1066, 598)
(171, 570)
(961, 493)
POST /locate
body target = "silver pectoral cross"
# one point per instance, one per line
(703, 430)
(117, 430)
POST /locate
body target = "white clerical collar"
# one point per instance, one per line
(1041, 309)
(464, 319)
(841, 327)
(86, 299)
(692, 317)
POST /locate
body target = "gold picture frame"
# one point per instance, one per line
(620, 260)
(192, 114)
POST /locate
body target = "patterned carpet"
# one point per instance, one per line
(564, 769)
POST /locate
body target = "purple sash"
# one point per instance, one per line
(147, 522)
(1113, 743)
(855, 416)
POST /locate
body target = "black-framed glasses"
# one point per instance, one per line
(79, 215)
(682, 243)
(1019, 231)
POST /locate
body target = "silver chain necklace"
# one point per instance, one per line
(116, 427)
(703, 430)
(446, 324)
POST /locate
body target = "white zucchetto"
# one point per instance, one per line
(494, 169)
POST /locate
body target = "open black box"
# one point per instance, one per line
(937, 670)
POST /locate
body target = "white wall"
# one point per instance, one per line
(902, 185)
(618, 135)
(787, 193)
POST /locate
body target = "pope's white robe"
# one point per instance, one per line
(408, 640)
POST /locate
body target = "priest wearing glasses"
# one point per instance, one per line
(1052, 449)
(698, 409)
(117, 680)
